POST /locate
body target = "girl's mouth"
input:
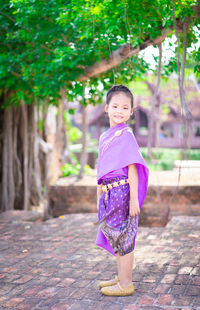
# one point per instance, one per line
(118, 116)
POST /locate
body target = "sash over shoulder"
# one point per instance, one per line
(118, 148)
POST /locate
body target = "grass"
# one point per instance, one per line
(164, 157)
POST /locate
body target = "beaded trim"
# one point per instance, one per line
(117, 133)
(106, 187)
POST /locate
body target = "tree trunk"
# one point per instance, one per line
(20, 185)
(83, 158)
(151, 120)
(182, 69)
(34, 171)
(8, 185)
(157, 112)
(58, 141)
(158, 123)
(18, 173)
(67, 154)
(24, 133)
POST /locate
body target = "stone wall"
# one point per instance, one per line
(72, 199)
(162, 202)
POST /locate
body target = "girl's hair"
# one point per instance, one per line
(119, 89)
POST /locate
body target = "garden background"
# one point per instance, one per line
(59, 58)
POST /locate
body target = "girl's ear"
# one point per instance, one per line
(134, 110)
(106, 108)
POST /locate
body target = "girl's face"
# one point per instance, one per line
(119, 109)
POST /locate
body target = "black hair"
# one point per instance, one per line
(119, 89)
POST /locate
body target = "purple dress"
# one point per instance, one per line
(118, 148)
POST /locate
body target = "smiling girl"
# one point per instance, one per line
(122, 177)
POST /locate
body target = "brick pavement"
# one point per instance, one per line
(55, 265)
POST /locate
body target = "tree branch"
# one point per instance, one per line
(182, 69)
(9, 17)
(64, 39)
(16, 74)
(47, 49)
(120, 54)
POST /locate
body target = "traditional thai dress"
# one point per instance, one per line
(118, 148)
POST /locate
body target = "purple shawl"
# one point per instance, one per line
(118, 148)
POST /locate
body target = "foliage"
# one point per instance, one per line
(192, 154)
(70, 169)
(73, 132)
(46, 45)
(164, 158)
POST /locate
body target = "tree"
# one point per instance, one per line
(155, 93)
(48, 46)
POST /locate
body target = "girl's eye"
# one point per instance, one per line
(125, 108)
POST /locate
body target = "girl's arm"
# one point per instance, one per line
(134, 208)
(99, 192)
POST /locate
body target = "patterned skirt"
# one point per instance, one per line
(119, 228)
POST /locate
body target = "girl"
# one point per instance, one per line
(122, 177)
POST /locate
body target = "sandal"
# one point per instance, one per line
(108, 283)
(127, 291)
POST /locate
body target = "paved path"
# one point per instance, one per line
(55, 265)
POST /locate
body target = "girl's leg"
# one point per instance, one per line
(125, 268)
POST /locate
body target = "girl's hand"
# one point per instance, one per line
(134, 208)
(99, 193)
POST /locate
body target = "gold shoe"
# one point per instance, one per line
(108, 283)
(129, 290)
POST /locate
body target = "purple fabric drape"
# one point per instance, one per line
(118, 148)
(122, 151)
